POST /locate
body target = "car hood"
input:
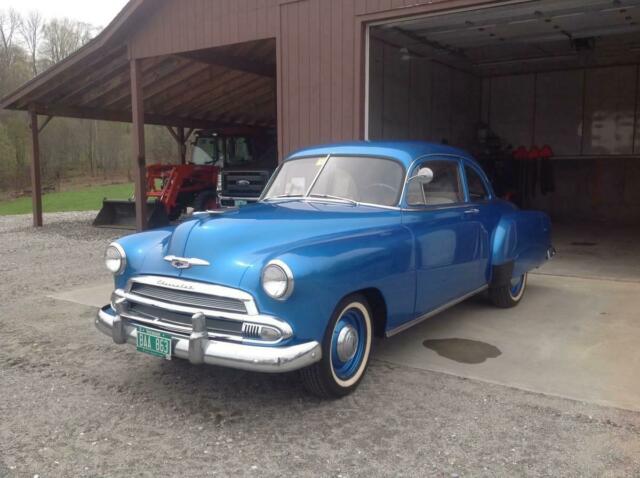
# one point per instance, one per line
(236, 240)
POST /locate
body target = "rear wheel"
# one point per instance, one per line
(345, 350)
(510, 294)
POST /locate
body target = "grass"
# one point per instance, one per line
(83, 199)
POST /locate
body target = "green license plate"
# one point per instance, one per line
(154, 343)
(240, 203)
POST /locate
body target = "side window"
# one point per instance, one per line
(444, 189)
(477, 188)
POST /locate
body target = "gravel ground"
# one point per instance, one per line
(74, 404)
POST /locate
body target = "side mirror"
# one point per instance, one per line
(423, 176)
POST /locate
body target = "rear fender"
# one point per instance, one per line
(520, 243)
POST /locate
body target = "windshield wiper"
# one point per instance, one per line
(337, 198)
(283, 196)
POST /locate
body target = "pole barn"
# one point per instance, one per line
(562, 74)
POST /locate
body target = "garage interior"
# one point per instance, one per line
(522, 75)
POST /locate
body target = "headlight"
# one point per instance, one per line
(115, 259)
(277, 280)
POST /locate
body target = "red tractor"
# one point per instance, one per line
(174, 188)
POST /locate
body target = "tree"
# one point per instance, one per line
(62, 37)
(31, 31)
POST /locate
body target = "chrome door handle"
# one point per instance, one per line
(472, 211)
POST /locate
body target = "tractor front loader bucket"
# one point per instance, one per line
(122, 215)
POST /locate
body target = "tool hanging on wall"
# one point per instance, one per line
(521, 156)
(547, 177)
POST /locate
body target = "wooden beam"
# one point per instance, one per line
(234, 100)
(183, 146)
(118, 86)
(227, 92)
(206, 90)
(174, 134)
(158, 81)
(44, 125)
(36, 179)
(138, 145)
(233, 62)
(43, 87)
(126, 117)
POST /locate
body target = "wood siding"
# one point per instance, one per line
(320, 52)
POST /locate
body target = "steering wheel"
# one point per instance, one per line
(384, 188)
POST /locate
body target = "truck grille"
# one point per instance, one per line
(247, 184)
(192, 299)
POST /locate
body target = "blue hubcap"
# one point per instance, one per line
(348, 344)
(516, 285)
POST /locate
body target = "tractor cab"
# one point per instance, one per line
(224, 169)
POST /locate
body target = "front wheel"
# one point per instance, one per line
(345, 350)
(510, 294)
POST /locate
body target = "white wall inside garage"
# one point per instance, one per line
(421, 98)
(589, 116)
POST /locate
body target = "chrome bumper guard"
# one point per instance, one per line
(199, 349)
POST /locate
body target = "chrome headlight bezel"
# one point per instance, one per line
(287, 275)
(114, 246)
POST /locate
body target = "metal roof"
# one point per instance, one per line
(218, 87)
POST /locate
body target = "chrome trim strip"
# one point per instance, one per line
(286, 329)
(239, 198)
(183, 331)
(428, 315)
(198, 349)
(201, 288)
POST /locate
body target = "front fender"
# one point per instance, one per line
(326, 272)
(523, 239)
(145, 252)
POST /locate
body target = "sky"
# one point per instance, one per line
(98, 13)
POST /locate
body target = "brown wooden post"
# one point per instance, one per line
(36, 179)
(182, 141)
(138, 143)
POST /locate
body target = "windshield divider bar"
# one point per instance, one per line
(315, 180)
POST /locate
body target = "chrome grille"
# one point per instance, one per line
(214, 325)
(192, 299)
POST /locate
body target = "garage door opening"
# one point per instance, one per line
(556, 79)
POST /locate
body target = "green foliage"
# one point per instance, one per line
(85, 199)
(69, 148)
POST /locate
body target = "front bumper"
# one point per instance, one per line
(199, 349)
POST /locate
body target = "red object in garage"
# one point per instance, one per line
(521, 153)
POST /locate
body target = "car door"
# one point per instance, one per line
(482, 219)
(444, 245)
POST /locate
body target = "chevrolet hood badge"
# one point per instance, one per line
(185, 262)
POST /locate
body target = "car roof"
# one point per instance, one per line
(404, 151)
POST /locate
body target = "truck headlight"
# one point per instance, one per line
(277, 280)
(115, 258)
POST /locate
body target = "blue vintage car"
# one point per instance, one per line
(348, 242)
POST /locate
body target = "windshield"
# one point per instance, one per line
(360, 179)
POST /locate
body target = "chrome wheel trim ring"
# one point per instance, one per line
(368, 331)
(516, 291)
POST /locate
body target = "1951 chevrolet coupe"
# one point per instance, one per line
(348, 242)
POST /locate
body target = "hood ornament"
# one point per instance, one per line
(185, 262)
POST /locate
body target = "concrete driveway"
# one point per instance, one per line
(570, 337)
(575, 335)
(74, 404)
